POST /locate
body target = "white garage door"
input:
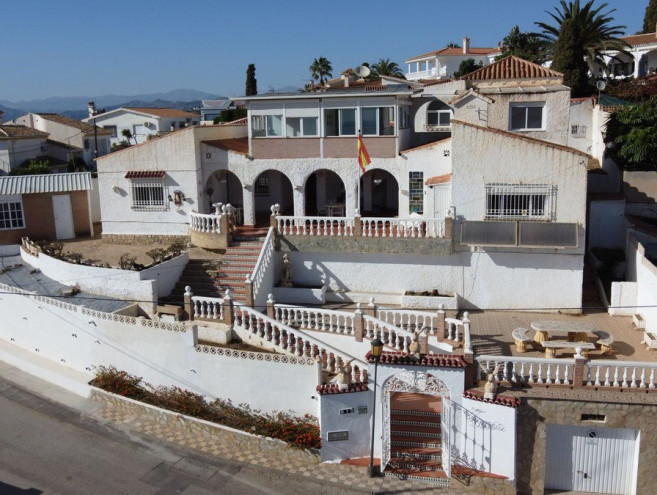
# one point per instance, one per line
(591, 459)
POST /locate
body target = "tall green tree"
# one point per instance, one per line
(650, 18)
(591, 28)
(320, 69)
(467, 66)
(527, 46)
(569, 58)
(384, 67)
(632, 136)
(251, 81)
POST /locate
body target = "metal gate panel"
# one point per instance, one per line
(446, 420)
(591, 459)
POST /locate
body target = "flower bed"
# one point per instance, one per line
(300, 432)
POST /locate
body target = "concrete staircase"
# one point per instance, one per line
(200, 275)
(239, 260)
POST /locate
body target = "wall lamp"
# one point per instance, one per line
(177, 198)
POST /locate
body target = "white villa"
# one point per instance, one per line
(642, 58)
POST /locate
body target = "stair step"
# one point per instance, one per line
(416, 452)
(415, 431)
(436, 478)
(420, 464)
(411, 442)
(407, 412)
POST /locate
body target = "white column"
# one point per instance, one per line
(249, 205)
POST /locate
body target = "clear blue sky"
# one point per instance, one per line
(92, 48)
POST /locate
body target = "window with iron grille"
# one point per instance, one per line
(524, 202)
(262, 186)
(416, 192)
(148, 195)
(11, 214)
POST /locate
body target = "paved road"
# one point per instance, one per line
(48, 448)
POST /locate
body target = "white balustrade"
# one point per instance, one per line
(392, 336)
(324, 320)
(528, 371)
(454, 328)
(403, 227)
(293, 340)
(315, 226)
(209, 308)
(202, 222)
(620, 374)
(263, 263)
(404, 318)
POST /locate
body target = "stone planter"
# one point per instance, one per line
(430, 302)
(300, 295)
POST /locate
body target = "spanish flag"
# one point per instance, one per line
(363, 155)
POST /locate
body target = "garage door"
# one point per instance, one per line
(591, 459)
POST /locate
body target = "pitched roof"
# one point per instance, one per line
(164, 112)
(236, 145)
(456, 51)
(512, 68)
(20, 131)
(45, 183)
(640, 39)
(88, 129)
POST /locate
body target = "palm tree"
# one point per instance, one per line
(592, 29)
(320, 69)
(127, 133)
(384, 67)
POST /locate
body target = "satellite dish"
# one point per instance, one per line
(601, 85)
(362, 71)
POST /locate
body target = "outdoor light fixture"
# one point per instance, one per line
(177, 198)
(377, 349)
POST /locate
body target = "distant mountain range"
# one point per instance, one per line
(76, 106)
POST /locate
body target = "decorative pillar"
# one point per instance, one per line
(467, 345)
(440, 322)
(271, 310)
(358, 226)
(423, 341)
(449, 227)
(189, 310)
(359, 324)
(229, 310)
(248, 292)
(371, 308)
(580, 368)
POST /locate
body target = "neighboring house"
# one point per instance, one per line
(69, 138)
(515, 190)
(642, 59)
(45, 207)
(142, 122)
(441, 64)
(19, 144)
(211, 109)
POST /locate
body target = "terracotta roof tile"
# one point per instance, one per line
(431, 360)
(456, 51)
(501, 400)
(236, 145)
(640, 39)
(439, 179)
(88, 129)
(332, 388)
(145, 174)
(20, 131)
(512, 68)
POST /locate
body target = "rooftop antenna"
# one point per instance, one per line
(362, 71)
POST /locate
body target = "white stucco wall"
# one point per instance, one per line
(358, 425)
(640, 270)
(13, 152)
(81, 339)
(485, 437)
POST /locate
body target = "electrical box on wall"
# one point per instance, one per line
(348, 410)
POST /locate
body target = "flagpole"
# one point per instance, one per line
(360, 174)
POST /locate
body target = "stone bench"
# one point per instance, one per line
(605, 342)
(551, 347)
(521, 338)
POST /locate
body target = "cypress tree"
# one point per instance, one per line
(650, 18)
(569, 58)
(251, 81)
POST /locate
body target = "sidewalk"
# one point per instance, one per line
(30, 372)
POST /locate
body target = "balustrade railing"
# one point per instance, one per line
(410, 319)
(208, 308)
(620, 374)
(324, 320)
(403, 227)
(315, 226)
(203, 222)
(454, 329)
(293, 340)
(528, 371)
(262, 265)
(390, 335)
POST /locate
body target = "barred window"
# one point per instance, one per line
(262, 186)
(148, 195)
(11, 214)
(526, 202)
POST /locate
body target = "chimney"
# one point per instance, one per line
(466, 45)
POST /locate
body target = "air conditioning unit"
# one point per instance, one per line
(147, 124)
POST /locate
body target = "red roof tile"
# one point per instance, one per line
(455, 51)
(332, 388)
(512, 68)
(431, 360)
(501, 400)
(439, 179)
(640, 39)
(145, 174)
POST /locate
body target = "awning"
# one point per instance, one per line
(45, 183)
(145, 174)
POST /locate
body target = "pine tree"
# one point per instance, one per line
(251, 81)
(650, 18)
(569, 58)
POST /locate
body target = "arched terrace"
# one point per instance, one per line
(379, 194)
(324, 194)
(272, 187)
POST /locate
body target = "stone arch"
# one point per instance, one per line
(379, 194)
(223, 186)
(269, 188)
(323, 187)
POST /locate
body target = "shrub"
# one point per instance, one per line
(119, 382)
(157, 255)
(127, 262)
(176, 247)
(74, 257)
